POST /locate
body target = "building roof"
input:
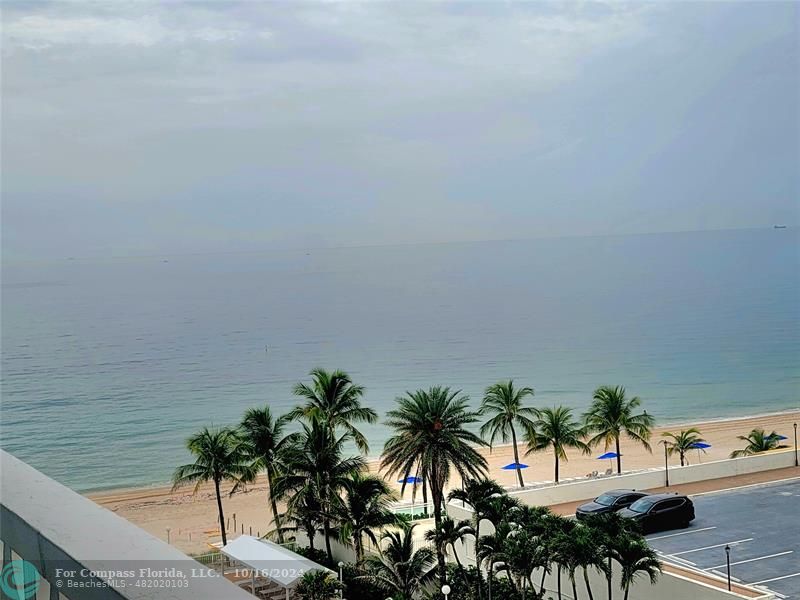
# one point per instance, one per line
(272, 561)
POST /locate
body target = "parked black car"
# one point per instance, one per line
(660, 511)
(608, 502)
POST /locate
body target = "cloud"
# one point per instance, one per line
(358, 122)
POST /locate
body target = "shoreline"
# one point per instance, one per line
(164, 486)
(192, 519)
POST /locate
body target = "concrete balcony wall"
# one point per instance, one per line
(52, 527)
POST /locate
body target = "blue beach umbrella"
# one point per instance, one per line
(608, 456)
(410, 479)
(514, 466)
(699, 446)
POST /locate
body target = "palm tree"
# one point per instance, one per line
(317, 472)
(583, 545)
(265, 443)
(610, 528)
(480, 495)
(450, 533)
(556, 428)
(636, 558)
(334, 399)
(220, 455)
(318, 585)
(304, 516)
(505, 402)
(682, 442)
(612, 414)
(399, 569)
(431, 433)
(364, 509)
(757, 441)
(493, 549)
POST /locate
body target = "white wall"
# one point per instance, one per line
(591, 488)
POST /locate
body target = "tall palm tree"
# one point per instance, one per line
(757, 441)
(334, 399)
(318, 472)
(506, 403)
(318, 585)
(612, 414)
(636, 558)
(556, 428)
(682, 442)
(365, 508)
(400, 570)
(480, 495)
(583, 545)
(450, 533)
(265, 443)
(431, 433)
(220, 455)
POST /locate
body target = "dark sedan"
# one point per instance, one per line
(660, 511)
(609, 502)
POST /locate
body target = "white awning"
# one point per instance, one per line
(270, 560)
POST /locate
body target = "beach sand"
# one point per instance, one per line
(192, 520)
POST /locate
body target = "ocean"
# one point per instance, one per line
(108, 365)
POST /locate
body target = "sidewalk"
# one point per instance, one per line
(700, 487)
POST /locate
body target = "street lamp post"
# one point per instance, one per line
(728, 564)
(796, 463)
(446, 591)
(341, 579)
(666, 464)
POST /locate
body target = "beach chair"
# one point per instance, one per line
(609, 471)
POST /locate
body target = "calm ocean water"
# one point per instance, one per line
(107, 366)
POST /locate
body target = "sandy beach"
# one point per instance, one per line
(192, 520)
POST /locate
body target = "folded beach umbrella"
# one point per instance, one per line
(514, 466)
(778, 437)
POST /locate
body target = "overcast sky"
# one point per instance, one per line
(137, 128)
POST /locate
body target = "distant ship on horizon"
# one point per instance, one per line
(779, 226)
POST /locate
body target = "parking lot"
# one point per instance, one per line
(761, 524)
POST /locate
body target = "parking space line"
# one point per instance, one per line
(776, 579)
(663, 537)
(741, 562)
(714, 546)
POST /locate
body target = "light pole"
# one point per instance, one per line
(728, 564)
(666, 464)
(168, 530)
(341, 579)
(796, 464)
(446, 591)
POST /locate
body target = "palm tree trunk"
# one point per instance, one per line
(455, 554)
(609, 578)
(478, 576)
(436, 492)
(559, 582)
(586, 581)
(312, 534)
(516, 456)
(619, 456)
(556, 454)
(275, 516)
(221, 515)
(544, 576)
(682, 457)
(425, 496)
(574, 587)
(326, 524)
(627, 589)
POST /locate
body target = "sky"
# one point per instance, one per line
(138, 128)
